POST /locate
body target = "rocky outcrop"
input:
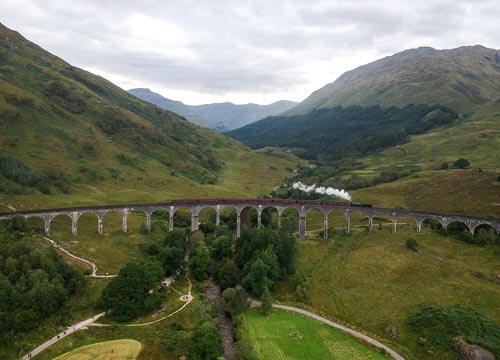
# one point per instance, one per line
(471, 352)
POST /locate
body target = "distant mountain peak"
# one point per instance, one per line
(220, 117)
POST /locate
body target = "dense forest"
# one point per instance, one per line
(331, 134)
(34, 280)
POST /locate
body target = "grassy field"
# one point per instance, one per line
(474, 191)
(124, 349)
(244, 174)
(285, 335)
(167, 339)
(373, 282)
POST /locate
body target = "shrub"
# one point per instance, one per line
(461, 163)
(267, 302)
(438, 325)
(412, 244)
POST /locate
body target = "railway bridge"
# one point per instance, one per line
(280, 205)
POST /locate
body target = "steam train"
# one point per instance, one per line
(266, 201)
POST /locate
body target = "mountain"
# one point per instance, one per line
(71, 137)
(344, 132)
(396, 127)
(221, 116)
(460, 78)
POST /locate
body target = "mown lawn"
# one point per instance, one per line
(372, 281)
(124, 349)
(284, 335)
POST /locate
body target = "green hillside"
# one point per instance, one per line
(460, 78)
(402, 157)
(470, 191)
(344, 132)
(70, 133)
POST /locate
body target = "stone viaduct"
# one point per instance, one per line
(301, 206)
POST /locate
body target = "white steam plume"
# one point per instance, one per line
(322, 190)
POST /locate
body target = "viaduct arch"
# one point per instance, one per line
(301, 206)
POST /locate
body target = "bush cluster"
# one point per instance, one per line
(18, 178)
(34, 281)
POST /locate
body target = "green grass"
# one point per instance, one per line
(111, 146)
(469, 191)
(373, 282)
(285, 335)
(167, 339)
(124, 349)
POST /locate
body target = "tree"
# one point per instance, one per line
(257, 276)
(199, 264)
(172, 259)
(300, 285)
(267, 302)
(234, 301)
(126, 295)
(461, 163)
(228, 275)
(195, 239)
(221, 247)
(205, 343)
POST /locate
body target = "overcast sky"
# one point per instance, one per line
(243, 51)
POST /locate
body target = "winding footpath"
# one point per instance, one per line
(354, 333)
(91, 321)
(90, 263)
(62, 335)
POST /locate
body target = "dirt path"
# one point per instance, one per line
(71, 329)
(90, 263)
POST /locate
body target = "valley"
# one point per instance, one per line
(414, 138)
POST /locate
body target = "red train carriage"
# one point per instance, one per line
(261, 202)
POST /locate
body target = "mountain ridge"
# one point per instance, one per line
(220, 117)
(460, 78)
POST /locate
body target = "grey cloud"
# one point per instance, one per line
(254, 47)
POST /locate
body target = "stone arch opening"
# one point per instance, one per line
(182, 218)
(315, 221)
(160, 220)
(207, 219)
(406, 223)
(457, 227)
(269, 217)
(112, 222)
(136, 221)
(382, 223)
(336, 223)
(60, 225)
(290, 220)
(486, 234)
(459, 230)
(35, 224)
(249, 217)
(88, 224)
(360, 221)
(228, 217)
(432, 224)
